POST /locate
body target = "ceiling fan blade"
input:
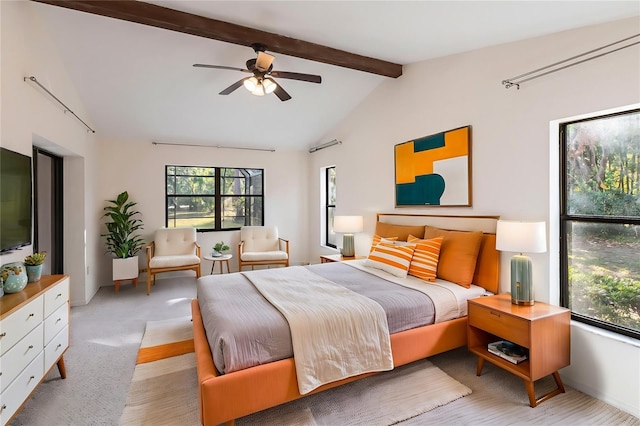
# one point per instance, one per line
(220, 67)
(281, 93)
(297, 76)
(264, 61)
(233, 87)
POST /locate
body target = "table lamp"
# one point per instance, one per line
(521, 237)
(347, 225)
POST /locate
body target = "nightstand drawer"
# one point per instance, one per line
(505, 326)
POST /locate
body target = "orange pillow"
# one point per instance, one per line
(377, 239)
(401, 232)
(424, 263)
(458, 254)
(391, 258)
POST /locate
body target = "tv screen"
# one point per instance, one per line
(15, 200)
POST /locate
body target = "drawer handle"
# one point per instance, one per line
(495, 314)
(58, 320)
(31, 378)
(59, 294)
(30, 347)
(4, 407)
(59, 345)
(4, 333)
(31, 315)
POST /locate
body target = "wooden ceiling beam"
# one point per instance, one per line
(174, 20)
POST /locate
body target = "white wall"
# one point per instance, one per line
(31, 117)
(138, 167)
(510, 154)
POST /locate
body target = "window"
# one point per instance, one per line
(214, 198)
(330, 205)
(600, 221)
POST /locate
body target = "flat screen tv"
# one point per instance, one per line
(15, 200)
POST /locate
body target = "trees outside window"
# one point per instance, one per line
(600, 221)
(214, 198)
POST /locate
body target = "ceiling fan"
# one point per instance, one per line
(262, 81)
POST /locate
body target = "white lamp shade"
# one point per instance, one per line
(348, 224)
(521, 237)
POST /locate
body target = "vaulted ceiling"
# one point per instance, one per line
(138, 82)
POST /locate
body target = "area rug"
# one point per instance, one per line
(163, 390)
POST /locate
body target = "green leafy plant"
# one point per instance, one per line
(220, 247)
(35, 259)
(122, 239)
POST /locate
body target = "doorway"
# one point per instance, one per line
(48, 209)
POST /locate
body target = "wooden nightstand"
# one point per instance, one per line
(326, 258)
(541, 328)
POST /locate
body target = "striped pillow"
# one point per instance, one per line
(424, 264)
(377, 239)
(391, 258)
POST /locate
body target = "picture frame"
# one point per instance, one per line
(434, 170)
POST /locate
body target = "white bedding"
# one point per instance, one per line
(449, 298)
(344, 334)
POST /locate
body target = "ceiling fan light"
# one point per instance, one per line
(269, 85)
(259, 90)
(251, 84)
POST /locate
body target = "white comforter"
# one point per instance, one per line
(335, 332)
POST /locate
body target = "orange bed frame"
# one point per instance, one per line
(226, 397)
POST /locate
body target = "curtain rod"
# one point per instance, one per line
(324, 145)
(66, 108)
(509, 82)
(216, 146)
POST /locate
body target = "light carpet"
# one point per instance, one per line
(164, 389)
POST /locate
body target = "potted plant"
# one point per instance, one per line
(33, 264)
(122, 240)
(218, 248)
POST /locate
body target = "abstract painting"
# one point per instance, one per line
(435, 170)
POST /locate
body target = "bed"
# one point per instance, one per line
(228, 395)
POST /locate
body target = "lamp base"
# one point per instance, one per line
(521, 282)
(348, 249)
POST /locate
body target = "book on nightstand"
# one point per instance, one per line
(508, 350)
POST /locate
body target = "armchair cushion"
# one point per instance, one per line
(175, 241)
(260, 238)
(157, 262)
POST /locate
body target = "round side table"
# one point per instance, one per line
(224, 259)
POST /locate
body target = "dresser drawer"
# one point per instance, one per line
(55, 322)
(19, 356)
(505, 326)
(20, 323)
(13, 397)
(56, 296)
(56, 348)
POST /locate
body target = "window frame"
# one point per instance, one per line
(566, 219)
(218, 195)
(328, 225)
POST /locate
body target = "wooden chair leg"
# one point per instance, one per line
(117, 285)
(149, 283)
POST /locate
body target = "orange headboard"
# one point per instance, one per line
(487, 270)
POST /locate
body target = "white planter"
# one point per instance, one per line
(125, 269)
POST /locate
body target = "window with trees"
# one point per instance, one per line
(214, 198)
(600, 221)
(330, 205)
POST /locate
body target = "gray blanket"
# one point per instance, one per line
(244, 330)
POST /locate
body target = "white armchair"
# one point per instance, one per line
(260, 245)
(172, 249)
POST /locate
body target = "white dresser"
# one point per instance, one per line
(34, 334)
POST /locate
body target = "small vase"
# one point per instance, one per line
(14, 276)
(34, 272)
(216, 254)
